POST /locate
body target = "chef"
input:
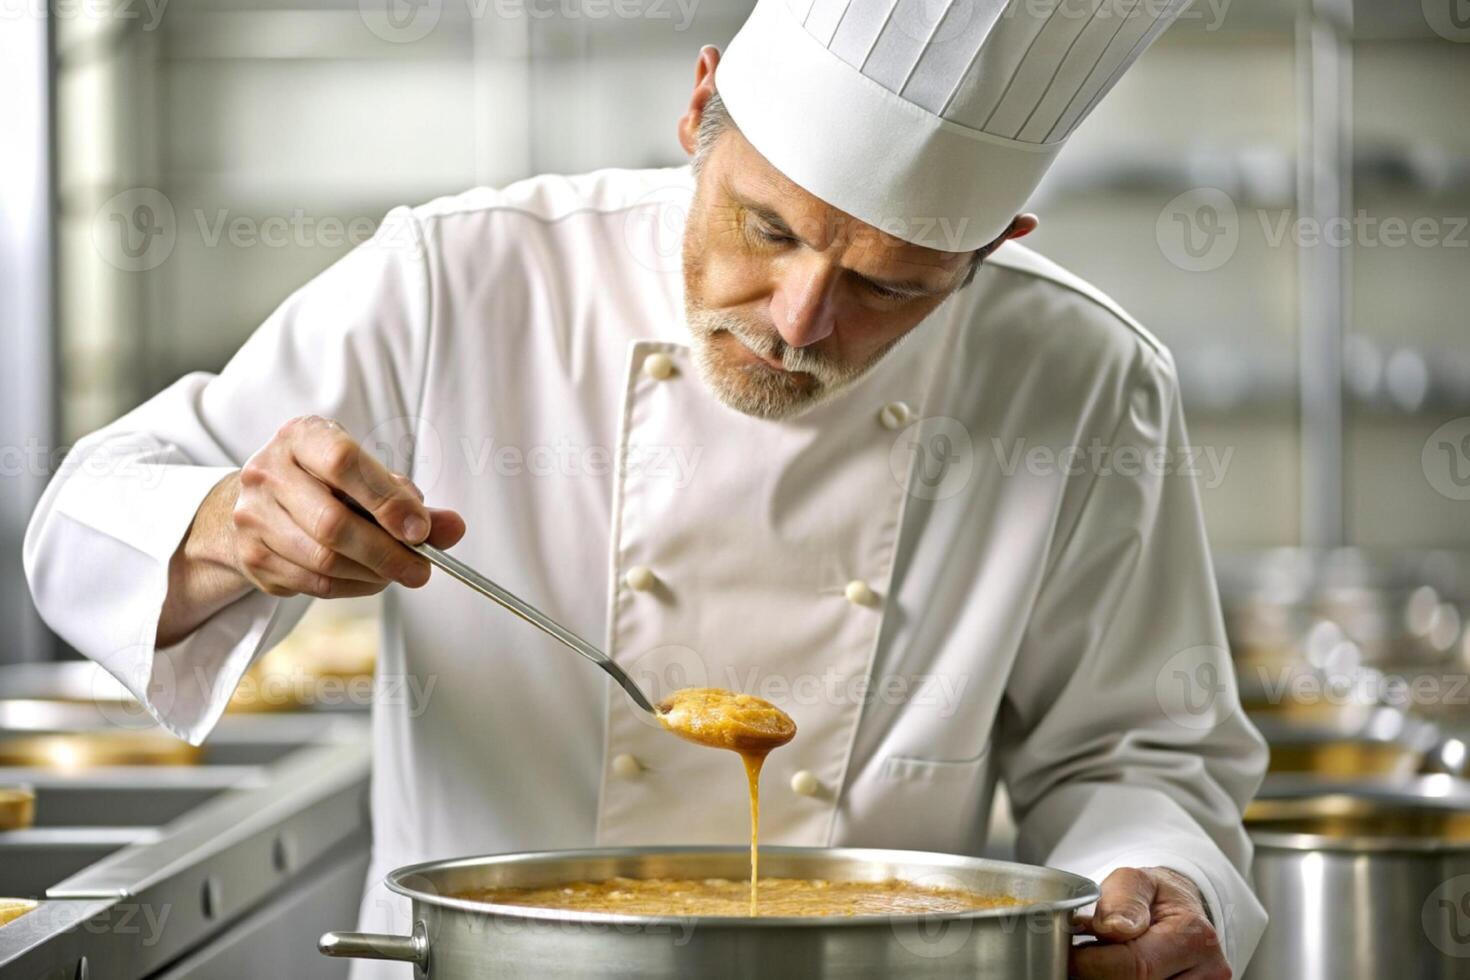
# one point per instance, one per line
(801, 419)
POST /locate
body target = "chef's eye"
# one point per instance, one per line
(769, 235)
(883, 292)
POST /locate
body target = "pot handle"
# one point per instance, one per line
(378, 946)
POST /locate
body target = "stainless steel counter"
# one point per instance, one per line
(230, 868)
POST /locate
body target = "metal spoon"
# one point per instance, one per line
(508, 600)
(534, 616)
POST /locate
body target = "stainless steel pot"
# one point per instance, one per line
(454, 938)
(1364, 881)
(1383, 742)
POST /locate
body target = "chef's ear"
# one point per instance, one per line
(1021, 226)
(704, 88)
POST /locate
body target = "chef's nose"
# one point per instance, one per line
(802, 306)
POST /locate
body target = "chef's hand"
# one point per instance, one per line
(1153, 925)
(279, 525)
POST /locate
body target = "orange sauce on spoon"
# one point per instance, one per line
(742, 723)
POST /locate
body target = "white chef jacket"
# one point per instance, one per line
(937, 574)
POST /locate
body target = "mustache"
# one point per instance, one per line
(768, 343)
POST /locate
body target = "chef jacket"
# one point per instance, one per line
(984, 561)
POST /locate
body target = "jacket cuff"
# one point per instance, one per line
(148, 507)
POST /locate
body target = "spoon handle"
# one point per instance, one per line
(534, 616)
(509, 600)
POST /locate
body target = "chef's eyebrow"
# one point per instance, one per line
(907, 288)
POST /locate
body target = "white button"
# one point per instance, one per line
(858, 593)
(640, 578)
(626, 766)
(805, 784)
(894, 415)
(658, 366)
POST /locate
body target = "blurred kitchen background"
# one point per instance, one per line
(1321, 369)
(1279, 190)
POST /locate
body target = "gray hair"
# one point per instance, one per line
(715, 122)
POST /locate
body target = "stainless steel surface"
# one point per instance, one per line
(277, 940)
(378, 946)
(1324, 196)
(1331, 613)
(464, 938)
(1382, 741)
(536, 618)
(200, 864)
(28, 369)
(1364, 881)
(33, 860)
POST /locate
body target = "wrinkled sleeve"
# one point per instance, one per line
(349, 345)
(1122, 741)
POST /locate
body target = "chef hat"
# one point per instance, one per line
(932, 120)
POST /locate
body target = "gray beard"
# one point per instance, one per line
(759, 390)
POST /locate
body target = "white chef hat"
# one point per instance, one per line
(932, 120)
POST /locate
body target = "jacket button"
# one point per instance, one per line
(858, 593)
(804, 783)
(894, 416)
(626, 766)
(640, 578)
(658, 366)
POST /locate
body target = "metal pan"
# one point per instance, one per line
(1364, 881)
(455, 938)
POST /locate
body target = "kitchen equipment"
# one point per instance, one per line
(454, 938)
(1396, 611)
(17, 807)
(13, 908)
(508, 600)
(72, 751)
(536, 618)
(1383, 742)
(229, 868)
(1364, 881)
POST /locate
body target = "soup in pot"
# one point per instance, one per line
(796, 897)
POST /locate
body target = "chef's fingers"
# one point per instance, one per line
(1122, 911)
(286, 538)
(283, 578)
(448, 527)
(325, 450)
(404, 481)
(330, 522)
(1165, 951)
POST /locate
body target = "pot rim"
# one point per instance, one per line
(1439, 792)
(1087, 889)
(1288, 841)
